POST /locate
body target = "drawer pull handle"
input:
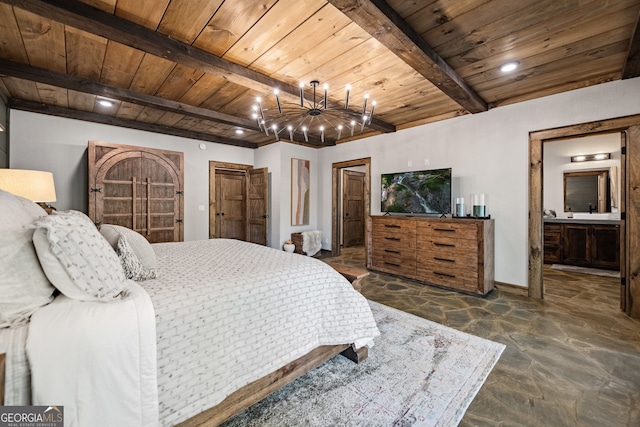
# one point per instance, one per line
(444, 274)
(397, 239)
(392, 226)
(444, 259)
(446, 230)
(392, 263)
(450, 245)
(389, 251)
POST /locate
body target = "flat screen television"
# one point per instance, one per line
(418, 192)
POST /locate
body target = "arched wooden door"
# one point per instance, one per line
(138, 188)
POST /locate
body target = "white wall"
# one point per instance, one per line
(59, 145)
(488, 153)
(557, 160)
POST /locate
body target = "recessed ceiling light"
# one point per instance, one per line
(239, 131)
(509, 66)
(105, 102)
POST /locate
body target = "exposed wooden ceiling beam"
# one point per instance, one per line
(95, 21)
(380, 20)
(631, 66)
(36, 107)
(40, 75)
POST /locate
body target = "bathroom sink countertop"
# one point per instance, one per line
(581, 221)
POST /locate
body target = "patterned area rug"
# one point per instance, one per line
(586, 270)
(419, 373)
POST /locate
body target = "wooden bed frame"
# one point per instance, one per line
(257, 390)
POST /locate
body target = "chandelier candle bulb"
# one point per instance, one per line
(373, 107)
(301, 94)
(276, 92)
(339, 131)
(304, 131)
(290, 129)
(346, 102)
(322, 133)
(353, 125)
(364, 107)
(326, 90)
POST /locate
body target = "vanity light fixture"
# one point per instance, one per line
(590, 157)
(509, 66)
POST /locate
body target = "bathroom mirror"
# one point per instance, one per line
(587, 191)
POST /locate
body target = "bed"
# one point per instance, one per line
(222, 324)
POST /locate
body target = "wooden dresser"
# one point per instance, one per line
(454, 253)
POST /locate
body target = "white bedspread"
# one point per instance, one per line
(230, 312)
(98, 360)
(226, 313)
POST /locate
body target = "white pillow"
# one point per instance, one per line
(141, 246)
(23, 285)
(133, 268)
(77, 259)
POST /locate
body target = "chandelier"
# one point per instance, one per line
(311, 116)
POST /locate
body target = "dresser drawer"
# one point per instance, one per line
(394, 263)
(449, 261)
(393, 226)
(447, 246)
(455, 230)
(450, 280)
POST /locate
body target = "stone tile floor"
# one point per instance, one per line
(572, 359)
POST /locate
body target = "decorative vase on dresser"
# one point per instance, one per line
(452, 253)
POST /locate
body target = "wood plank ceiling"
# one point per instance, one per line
(194, 68)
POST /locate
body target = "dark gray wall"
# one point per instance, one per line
(4, 136)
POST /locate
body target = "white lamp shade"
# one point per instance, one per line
(36, 186)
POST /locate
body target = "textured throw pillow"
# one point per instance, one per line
(133, 268)
(23, 285)
(77, 259)
(141, 246)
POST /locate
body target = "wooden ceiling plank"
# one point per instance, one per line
(38, 31)
(560, 76)
(84, 85)
(105, 5)
(440, 13)
(127, 110)
(80, 100)
(22, 88)
(566, 87)
(178, 82)
(202, 90)
(407, 8)
(151, 73)
(587, 47)
(341, 43)
(544, 71)
(35, 107)
(592, 19)
(53, 95)
(147, 13)
(305, 38)
(85, 53)
(78, 15)
(379, 20)
(149, 115)
(500, 23)
(120, 64)
(280, 20)
(169, 119)
(184, 19)
(631, 66)
(12, 46)
(232, 20)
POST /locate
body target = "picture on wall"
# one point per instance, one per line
(300, 185)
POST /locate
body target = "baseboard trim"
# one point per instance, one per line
(511, 288)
